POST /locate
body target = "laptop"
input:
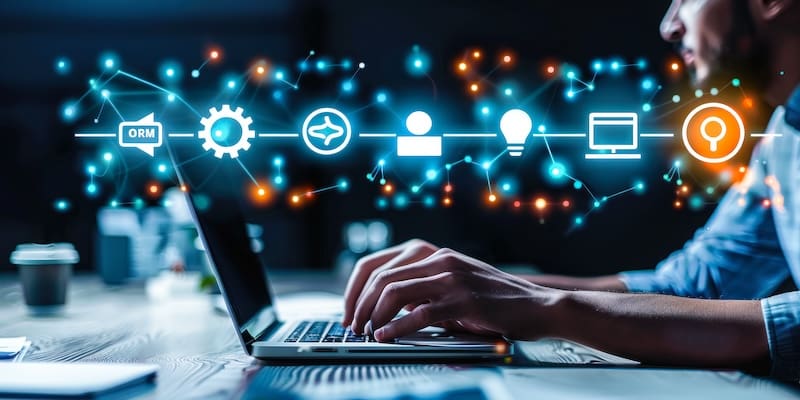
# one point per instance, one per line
(243, 280)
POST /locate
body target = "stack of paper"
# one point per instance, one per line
(14, 349)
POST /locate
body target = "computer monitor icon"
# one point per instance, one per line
(613, 132)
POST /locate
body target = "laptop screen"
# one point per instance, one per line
(219, 217)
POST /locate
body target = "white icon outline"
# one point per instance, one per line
(712, 160)
(147, 120)
(516, 126)
(613, 119)
(418, 144)
(226, 112)
(347, 131)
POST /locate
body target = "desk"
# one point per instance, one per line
(200, 356)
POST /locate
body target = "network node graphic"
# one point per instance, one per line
(145, 134)
(713, 133)
(613, 132)
(326, 131)
(419, 123)
(516, 126)
(219, 131)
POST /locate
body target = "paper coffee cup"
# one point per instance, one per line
(45, 270)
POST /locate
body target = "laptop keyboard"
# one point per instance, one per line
(325, 332)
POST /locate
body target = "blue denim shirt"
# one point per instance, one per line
(749, 247)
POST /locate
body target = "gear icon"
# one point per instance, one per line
(221, 149)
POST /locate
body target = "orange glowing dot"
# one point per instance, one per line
(501, 348)
(506, 59)
(462, 66)
(565, 203)
(492, 198)
(309, 194)
(742, 170)
(540, 203)
(260, 70)
(295, 199)
(551, 69)
(474, 87)
(153, 189)
(262, 192)
(448, 188)
(476, 54)
(748, 102)
(675, 66)
(447, 201)
(388, 188)
(685, 189)
(214, 54)
(766, 203)
(184, 188)
(517, 204)
(677, 204)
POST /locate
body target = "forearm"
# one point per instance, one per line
(610, 283)
(666, 330)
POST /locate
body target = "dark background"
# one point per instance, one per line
(40, 160)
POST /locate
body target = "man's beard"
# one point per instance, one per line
(742, 54)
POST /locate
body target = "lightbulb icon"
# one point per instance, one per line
(516, 125)
(713, 140)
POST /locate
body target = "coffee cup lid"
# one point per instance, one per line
(44, 254)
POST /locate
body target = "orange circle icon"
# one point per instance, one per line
(713, 133)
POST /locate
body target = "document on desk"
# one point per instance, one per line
(13, 349)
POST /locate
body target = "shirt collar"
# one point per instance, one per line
(792, 115)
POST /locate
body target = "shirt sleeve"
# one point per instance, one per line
(736, 255)
(782, 320)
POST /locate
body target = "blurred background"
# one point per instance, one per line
(42, 161)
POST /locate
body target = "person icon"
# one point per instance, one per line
(419, 123)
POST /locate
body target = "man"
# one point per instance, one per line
(746, 251)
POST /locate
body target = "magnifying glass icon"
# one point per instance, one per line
(713, 140)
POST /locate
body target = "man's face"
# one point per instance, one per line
(714, 38)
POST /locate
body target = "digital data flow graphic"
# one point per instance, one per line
(507, 117)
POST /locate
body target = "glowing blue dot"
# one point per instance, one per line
(279, 75)
(61, 64)
(415, 189)
(646, 107)
(231, 84)
(571, 74)
(113, 203)
(781, 72)
(714, 91)
(381, 162)
(109, 63)
(570, 94)
(91, 188)
(698, 93)
(486, 165)
(448, 166)
(590, 87)
(677, 163)
(171, 97)
(597, 66)
(542, 128)
(105, 93)
(556, 170)
(647, 84)
(577, 185)
(278, 180)
(639, 186)
(346, 64)
(578, 221)
(69, 111)
(370, 177)
(506, 187)
(320, 65)
(676, 99)
(679, 182)
(195, 73)
(431, 174)
(596, 204)
(382, 203)
(277, 95)
(277, 161)
(138, 203)
(696, 202)
(400, 201)
(91, 169)
(642, 63)
(162, 168)
(380, 97)
(92, 83)
(736, 82)
(170, 72)
(347, 86)
(382, 181)
(508, 92)
(107, 157)
(468, 159)
(418, 63)
(710, 190)
(343, 184)
(615, 65)
(485, 110)
(429, 201)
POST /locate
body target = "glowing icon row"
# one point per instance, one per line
(712, 133)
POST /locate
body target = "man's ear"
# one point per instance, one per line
(768, 10)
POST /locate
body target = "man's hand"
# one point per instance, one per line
(441, 287)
